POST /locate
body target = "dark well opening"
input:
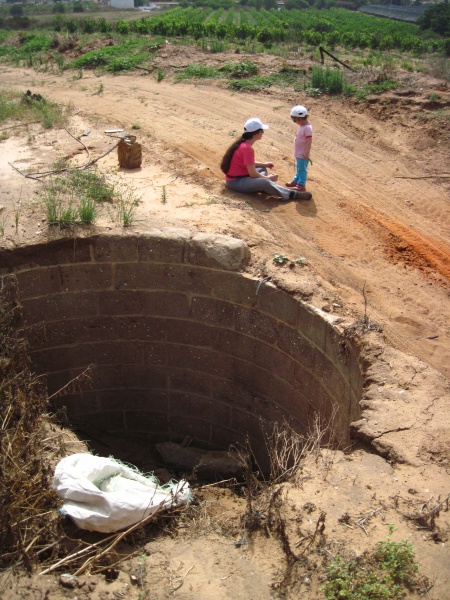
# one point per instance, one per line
(181, 343)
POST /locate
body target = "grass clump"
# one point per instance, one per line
(383, 84)
(251, 84)
(74, 198)
(329, 81)
(29, 108)
(239, 70)
(197, 71)
(384, 574)
(121, 57)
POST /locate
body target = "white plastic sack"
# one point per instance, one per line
(103, 494)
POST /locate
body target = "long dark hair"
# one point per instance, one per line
(227, 157)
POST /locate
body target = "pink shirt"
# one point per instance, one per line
(300, 145)
(244, 155)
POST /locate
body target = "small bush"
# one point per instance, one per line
(384, 574)
(239, 70)
(198, 71)
(329, 81)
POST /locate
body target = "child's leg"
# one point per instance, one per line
(302, 170)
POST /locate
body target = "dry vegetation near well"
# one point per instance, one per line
(29, 525)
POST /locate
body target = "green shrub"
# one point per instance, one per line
(199, 71)
(242, 69)
(329, 81)
(384, 574)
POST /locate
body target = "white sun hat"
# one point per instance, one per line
(254, 124)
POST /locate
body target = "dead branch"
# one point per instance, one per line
(426, 516)
(364, 519)
(320, 528)
(76, 381)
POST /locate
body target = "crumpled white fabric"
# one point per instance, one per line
(103, 494)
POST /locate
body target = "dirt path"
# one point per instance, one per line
(377, 220)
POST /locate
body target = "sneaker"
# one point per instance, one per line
(300, 187)
(302, 195)
(292, 184)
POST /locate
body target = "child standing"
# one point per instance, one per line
(302, 147)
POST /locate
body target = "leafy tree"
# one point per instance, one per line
(437, 18)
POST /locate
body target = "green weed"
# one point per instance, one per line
(216, 46)
(384, 574)
(385, 84)
(197, 71)
(87, 211)
(160, 74)
(73, 198)
(434, 97)
(280, 259)
(251, 84)
(239, 70)
(163, 194)
(328, 81)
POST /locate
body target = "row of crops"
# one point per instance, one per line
(334, 27)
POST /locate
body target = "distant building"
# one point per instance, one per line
(122, 3)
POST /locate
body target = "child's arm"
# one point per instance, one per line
(307, 150)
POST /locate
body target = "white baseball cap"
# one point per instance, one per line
(299, 111)
(254, 124)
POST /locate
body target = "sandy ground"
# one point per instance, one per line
(378, 225)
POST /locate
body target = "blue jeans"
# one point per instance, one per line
(301, 175)
(249, 185)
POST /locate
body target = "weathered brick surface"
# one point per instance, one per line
(188, 332)
(113, 249)
(217, 312)
(119, 353)
(147, 422)
(255, 324)
(43, 255)
(279, 304)
(234, 344)
(77, 278)
(196, 383)
(202, 408)
(198, 429)
(180, 343)
(57, 307)
(235, 288)
(165, 246)
(39, 282)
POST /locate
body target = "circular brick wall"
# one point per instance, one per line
(181, 343)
